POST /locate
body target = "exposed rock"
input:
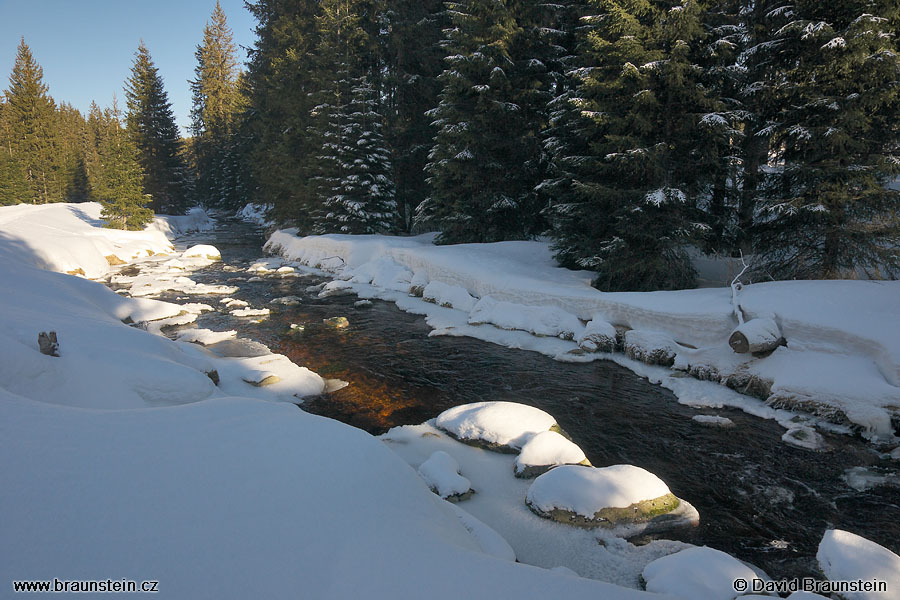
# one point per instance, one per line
(750, 385)
(287, 300)
(363, 304)
(78, 271)
(337, 322)
(114, 260)
(263, 380)
(48, 344)
(214, 376)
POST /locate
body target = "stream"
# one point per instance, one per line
(759, 499)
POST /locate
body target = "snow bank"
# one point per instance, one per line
(500, 423)
(697, 573)
(586, 491)
(842, 362)
(196, 219)
(845, 556)
(70, 238)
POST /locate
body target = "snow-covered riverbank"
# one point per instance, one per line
(841, 363)
(134, 456)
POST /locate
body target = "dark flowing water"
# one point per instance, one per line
(759, 499)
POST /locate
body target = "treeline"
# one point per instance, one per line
(628, 131)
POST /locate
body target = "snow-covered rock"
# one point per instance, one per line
(202, 251)
(598, 336)
(441, 473)
(698, 573)
(205, 336)
(845, 556)
(337, 287)
(250, 312)
(451, 296)
(254, 213)
(286, 300)
(546, 450)
(804, 436)
(713, 421)
(608, 497)
(651, 347)
(500, 425)
(539, 320)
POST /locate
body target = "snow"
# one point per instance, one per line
(209, 489)
(539, 320)
(250, 312)
(699, 573)
(597, 334)
(500, 423)
(845, 556)
(713, 421)
(451, 296)
(205, 336)
(587, 490)
(803, 436)
(195, 219)
(202, 251)
(842, 361)
(441, 473)
(548, 448)
(255, 213)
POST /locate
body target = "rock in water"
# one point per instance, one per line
(610, 497)
(48, 344)
(337, 322)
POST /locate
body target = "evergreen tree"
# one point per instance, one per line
(280, 79)
(216, 105)
(121, 178)
(358, 188)
(30, 127)
(413, 60)
(73, 177)
(826, 212)
(487, 157)
(151, 124)
(638, 152)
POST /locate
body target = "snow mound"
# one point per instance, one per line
(845, 556)
(496, 423)
(196, 219)
(699, 573)
(491, 542)
(337, 287)
(586, 491)
(441, 473)
(548, 449)
(451, 296)
(202, 251)
(384, 273)
(540, 320)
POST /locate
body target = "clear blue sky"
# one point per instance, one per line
(86, 47)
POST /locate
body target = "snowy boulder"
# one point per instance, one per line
(441, 473)
(713, 421)
(651, 347)
(501, 426)
(336, 288)
(550, 321)
(598, 336)
(609, 497)
(756, 335)
(202, 251)
(417, 284)
(250, 312)
(205, 336)
(803, 436)
(698, 573)
(450, 296)
(845, 556)
(546, 450)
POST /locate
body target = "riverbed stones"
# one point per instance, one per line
(546, 450)
(337, 322)
(498, 426)
(608, 497)
(286, 300)
(713, 421)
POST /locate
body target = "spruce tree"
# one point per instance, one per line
(487, 157)
(634, 158)
(31, 128)
(151, 124)
(826, 211)
(121, 179)
(216, 104)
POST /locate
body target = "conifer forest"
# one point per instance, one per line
(632, 133)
